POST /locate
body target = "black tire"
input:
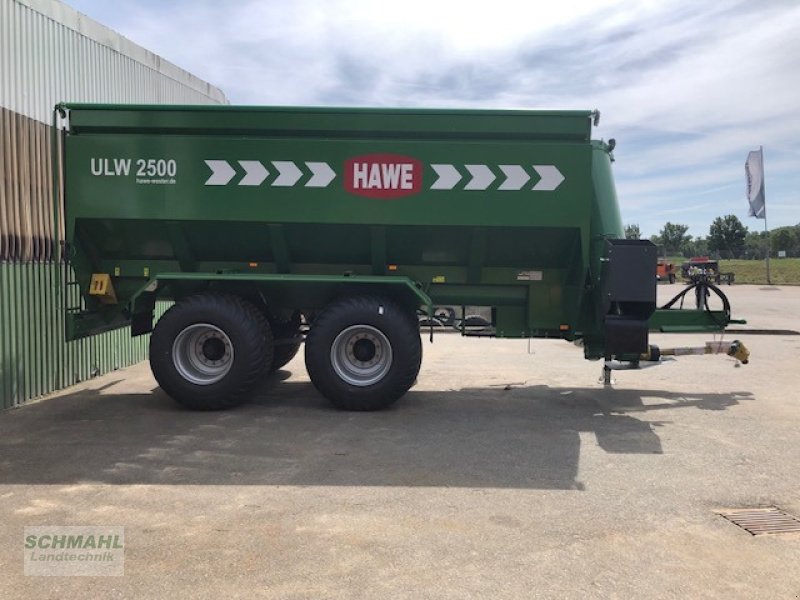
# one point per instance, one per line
(428, 322)
(367, 321)
(475, 321)
(287, 340)
(445, 314)
(183, 337)
(283, 353)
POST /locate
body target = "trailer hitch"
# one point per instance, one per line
(735, 349)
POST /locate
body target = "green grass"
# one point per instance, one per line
(782, 270)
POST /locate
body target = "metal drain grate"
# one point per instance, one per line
(762, 521)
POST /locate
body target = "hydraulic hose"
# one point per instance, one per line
(701, 288)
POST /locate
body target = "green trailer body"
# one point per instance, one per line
(295, 208)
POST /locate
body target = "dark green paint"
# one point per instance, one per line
(452, 247)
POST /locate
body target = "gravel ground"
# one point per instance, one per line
(507, 472)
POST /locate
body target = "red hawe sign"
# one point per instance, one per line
(385, 176)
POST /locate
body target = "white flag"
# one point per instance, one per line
(754, 171)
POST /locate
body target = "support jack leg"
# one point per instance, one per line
(606, 378)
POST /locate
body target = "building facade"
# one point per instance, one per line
(50, 53)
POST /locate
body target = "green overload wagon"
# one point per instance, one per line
(267, 223)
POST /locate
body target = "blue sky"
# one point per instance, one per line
(686, 88)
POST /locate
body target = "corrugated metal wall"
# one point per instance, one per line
(34, 358)
(50, 53)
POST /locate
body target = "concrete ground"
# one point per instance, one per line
(503, 474)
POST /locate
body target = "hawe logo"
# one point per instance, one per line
(384, 176)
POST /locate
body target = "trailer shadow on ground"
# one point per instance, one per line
(501, 437)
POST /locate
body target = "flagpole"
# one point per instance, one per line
(766, 230)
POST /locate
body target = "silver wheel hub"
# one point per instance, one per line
(361, 355)
(202, 353)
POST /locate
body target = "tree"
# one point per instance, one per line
(785, 238)
(673, 237)
(632, 232)
(695, 247)
(726, 236)
(755, 245)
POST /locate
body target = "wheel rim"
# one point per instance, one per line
(361, 355)
(202, 353)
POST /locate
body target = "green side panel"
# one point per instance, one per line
(606, 220)
(186, 196)
(35, 359)
(293, 121)
(502, 208)
(292, 290)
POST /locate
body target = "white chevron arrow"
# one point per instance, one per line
(516, 177)
(551, 178)
(448, 177)
(482, 176)
(255, 172)
(288, 173)
(221, 172)
(321, 174)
